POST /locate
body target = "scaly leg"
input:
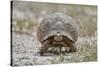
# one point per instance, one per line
(44, 47)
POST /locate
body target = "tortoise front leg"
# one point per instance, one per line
(72, 48)
(44, 47)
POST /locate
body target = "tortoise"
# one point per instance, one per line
(57, 30)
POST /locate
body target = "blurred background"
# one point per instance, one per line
(26, 17)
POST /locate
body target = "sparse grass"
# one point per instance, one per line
(31, 25)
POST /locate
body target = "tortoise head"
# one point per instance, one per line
(58, 36)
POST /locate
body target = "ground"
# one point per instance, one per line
(26, 51)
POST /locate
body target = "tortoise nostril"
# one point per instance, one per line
(58, 34)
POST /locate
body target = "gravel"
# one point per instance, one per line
(26, 51)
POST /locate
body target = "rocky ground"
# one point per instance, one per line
(26, 51)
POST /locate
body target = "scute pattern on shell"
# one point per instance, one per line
(54, 22)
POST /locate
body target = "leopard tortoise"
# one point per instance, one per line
(57, 30)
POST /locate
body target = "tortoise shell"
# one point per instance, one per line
(57, 22)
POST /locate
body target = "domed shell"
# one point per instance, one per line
(57, 22)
